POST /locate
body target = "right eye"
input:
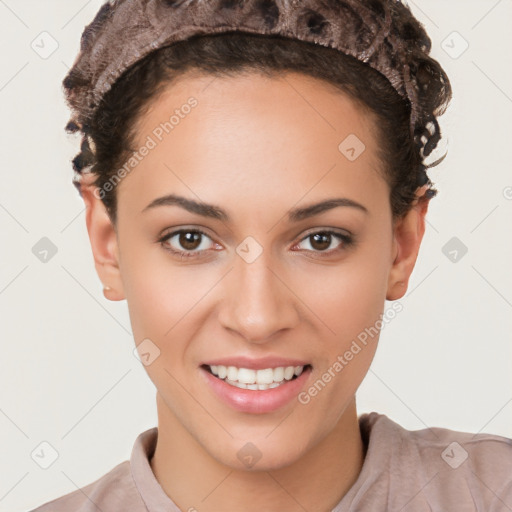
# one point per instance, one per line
(187, 243)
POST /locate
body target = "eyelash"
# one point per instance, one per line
(346, 241)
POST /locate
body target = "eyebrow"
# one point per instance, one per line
(215, 212)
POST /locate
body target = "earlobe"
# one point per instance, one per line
(104, 243)
(408, 234)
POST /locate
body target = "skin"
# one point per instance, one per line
(256, 147)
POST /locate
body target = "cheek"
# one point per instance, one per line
(356, 292)
(347, 297)
(350, 297)
(159, 292)
(151, 294)
(161, 301)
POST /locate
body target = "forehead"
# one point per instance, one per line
(259, 135)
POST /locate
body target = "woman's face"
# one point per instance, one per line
(284, 259)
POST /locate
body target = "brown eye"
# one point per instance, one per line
(320, 241)
(190, 240)
(187, 242)
(327, 242)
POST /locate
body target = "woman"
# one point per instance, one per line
(256, 188)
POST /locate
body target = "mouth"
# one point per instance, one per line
(256, 379)
(256, 386)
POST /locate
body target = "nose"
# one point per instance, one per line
(257, 303)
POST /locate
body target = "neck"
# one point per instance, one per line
(317, 481)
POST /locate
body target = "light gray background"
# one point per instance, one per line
(68, 373)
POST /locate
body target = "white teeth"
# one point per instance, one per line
(278, 374)
(288, 372)
(232, 373)
(259, 387)
(248, 378)
(265, 376)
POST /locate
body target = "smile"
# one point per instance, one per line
(248, 378)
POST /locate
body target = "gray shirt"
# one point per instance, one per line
(429, 470)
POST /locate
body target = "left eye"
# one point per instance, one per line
(322, 241)
(191, 241)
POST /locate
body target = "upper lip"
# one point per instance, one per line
(256, 364)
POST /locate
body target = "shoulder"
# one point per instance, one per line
(448, 466)
(112, 492)
(453, 447)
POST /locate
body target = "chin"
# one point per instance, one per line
(263, 454)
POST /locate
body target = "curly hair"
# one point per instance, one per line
(406, 127)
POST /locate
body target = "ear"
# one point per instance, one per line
(104, 243)
(407, 233)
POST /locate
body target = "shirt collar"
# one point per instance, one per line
(156, 500)
(149, 489)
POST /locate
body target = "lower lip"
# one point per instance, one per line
(257, 401)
